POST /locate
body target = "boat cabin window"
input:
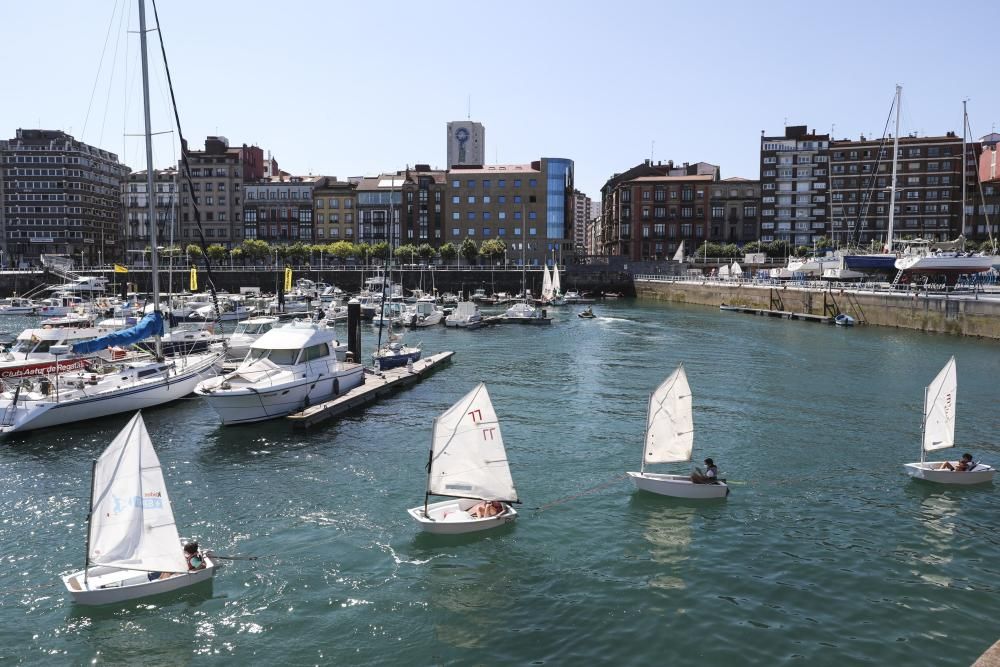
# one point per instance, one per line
(280, 357)
(316, 352)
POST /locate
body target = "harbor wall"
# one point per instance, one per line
(964, 314)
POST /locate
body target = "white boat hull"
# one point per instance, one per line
(108, 585)
(245, 405)
(930, 471)
(450, 517)
(677, 486)
(944, 264)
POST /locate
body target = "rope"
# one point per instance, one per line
(566, 499)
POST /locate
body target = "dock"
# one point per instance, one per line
(374, 387)
(784, 314)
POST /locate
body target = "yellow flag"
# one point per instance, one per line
(120, 269)
(288, 279)
(194, 279)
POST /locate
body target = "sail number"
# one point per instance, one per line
(488, 431)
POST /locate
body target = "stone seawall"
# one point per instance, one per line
(963, 314)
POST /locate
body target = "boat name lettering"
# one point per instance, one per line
(42, 369)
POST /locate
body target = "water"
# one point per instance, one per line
(824, 551)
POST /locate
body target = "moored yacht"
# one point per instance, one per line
(465, 316)
(246, 334)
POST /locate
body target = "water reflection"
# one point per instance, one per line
(470, 600)
(667, 527)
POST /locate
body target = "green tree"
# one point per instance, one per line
(801, 251)
(448, 251)
(492, 249)
(753, 246)
(193, 250)
(342, 250)
(363, 250)
(297, 251)
(469, 250)
(777, 249)
(730, 250)
(255, 249)
(236, 254)
(217, 252)
(426, 251)
(406, 253)
(380, 250)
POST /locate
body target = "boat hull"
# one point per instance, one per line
(396, 360)
(677, 486)
(450, 517)
(949, 266)
(880, 262)
(930, 471)
(108, 585)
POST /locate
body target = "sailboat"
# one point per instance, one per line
(467, 464)
(670, 439)
(557, 295)
(523, 312)
(133, 549)
(546, 284)
(136, 385)
(679, 255)
(938, 432)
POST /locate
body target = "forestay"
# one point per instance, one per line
(132, 523)
(669, 422)
(468, 459)
(939, 409)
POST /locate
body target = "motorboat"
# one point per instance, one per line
(31, 354)
(390, 315)
(465, 316)
(246, 334)
(468, 465)
(921, 258)
(287, 369)
(424, 313)
(232, 308)
(59, 305)
(575, 297)
(17, 306)
(843, 320)
(524, 313)
(331, 294)
(587, 313)
(186, 338)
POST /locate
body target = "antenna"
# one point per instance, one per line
(652, 150)
(468, 115)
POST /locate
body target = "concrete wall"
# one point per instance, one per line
(965, 315)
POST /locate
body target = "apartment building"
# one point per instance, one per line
(582, 206)
(424, 195)
(59, 196)
(333, 209)
(379, 200)
(280, 209)
(735, 211)
(135, 231)
(794, 180)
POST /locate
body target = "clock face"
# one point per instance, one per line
(462, 135)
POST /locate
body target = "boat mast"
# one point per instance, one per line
(430, 459)
(151, 213)
(645, 434)
(90, 522)
(895, 158)
(923, 426)
(965, 123)
(524, 261)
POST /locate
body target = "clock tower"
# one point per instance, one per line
(466, 143)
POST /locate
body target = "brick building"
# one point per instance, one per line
(135, 232)
(735, 214)
(333, 209)
(280, 209)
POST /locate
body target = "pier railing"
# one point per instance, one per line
(825, 285)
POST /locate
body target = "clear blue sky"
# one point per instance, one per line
(350, 88)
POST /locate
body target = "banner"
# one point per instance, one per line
(288, 279)
(194, 279)
(120, 269)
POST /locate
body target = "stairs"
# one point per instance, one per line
(899, 276)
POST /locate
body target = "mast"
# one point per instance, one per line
(895, 157)
(149, 173)
(923, 426)
(524, 260)
(388, 262)
(430, 459)
(90, 514)
(645, 434)
(965, 124)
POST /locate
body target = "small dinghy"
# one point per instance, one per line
(587, 314)
(133, 549)
(468, 463)
(670, 439)
(939, 433)
(844, 320)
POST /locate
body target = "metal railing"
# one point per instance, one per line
(871, 287)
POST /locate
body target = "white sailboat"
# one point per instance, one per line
(546, 283)
(679, 255)
(670, 439)
(938, 432)
(133, 549)
(468, 464)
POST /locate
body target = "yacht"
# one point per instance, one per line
(17, 306)
(185, 339)
(424, 313)
(246, 334)
(395, 354)
(59, 304)
(465, 316)
(287, 369)
(31, 352)
(232, 308)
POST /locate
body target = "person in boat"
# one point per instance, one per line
(486, 509)
(709, 476)
(193, 556)
(965, 465)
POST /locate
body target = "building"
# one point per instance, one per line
(59, 196)
(735, 215)
(793, 183)
(280, 209)
(135, 232)
(217, 174)
(333, 209)
(650, 209)
(466, 143)
(928, 188)
(424, 195)
(527, 206)
(582, 206)
(984, 201)
(379, 199)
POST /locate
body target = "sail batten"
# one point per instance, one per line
(670, 422)
(468, 459)
(939, 409)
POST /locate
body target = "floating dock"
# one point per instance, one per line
(784, 314)
(374, 387)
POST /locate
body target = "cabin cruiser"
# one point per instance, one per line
(944, 258)
(59, 304)
(290, 303)
(17, 306)
(88, 285)
(246, 334)
(424, 313)
(331, 294)
(392, 314)
(232, 308)
(185, 339)
(465, 316)
(524, 312)
(287, 369)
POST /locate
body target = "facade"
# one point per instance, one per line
(59, 196)
(379, 199)
(333, 209)
(794, 180)
(527, 206)
(983, 220)
(653, 207)
(582, 214)
(735, 214)
(466, 143)
(928, 188)
(424, 195)
(135, 231)
(280, 209)
(218, 174)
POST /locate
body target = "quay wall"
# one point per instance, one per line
(960, 314)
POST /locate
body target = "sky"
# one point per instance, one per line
(352, 88)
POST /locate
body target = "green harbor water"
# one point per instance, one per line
(824, 554)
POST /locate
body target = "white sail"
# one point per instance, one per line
(736, 270)
(556, 285)
(132, 523)
(939, 409)
(546, 283)
(468, 459)
(724, 271)
(669, 422)
(679, 255)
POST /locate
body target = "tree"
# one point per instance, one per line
(380, 250)
(730, 250)
(342, 250)
(492, 249)
(363, 250)
(297, 251)
(801, 251)
(469, 250)
(448, 251)
(193, 250)
(217, 252)
(426, 251)
(753, 246)
(255, 249)
(236, 254)
(777, 249)
(406, 252)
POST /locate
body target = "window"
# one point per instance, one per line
(533, 182)
(517, 182)
(472, 231)
(718, 212)
(502, 199)
(486, 215)
(486, 231)
(532, 231)
(486, 183)
(517, 199)
(456, 184)
(532, 215)
(455, 215)
(471, 215)
(456, 199)
(471, 199)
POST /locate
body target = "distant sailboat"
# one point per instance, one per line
(557, 296)
(546, 283)
(679, 255)
(131, 534)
